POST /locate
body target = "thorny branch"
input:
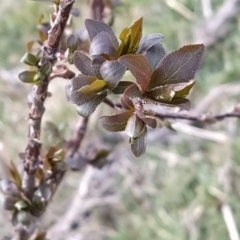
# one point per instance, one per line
(36, 101)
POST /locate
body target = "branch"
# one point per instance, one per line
(36, 100)
(199, 118)
(217, 27)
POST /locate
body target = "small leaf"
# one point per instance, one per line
(84, 64)
(124, 36)
(127, 102)
(46, 68)
(102, 45)
(138, 145)
(96, 86)
(30, 59)
(115, 123)
(133, 91)
(95, 27)
(178, 66)
(86, 109)
(21, 205)
(136, 35)
(148, 41)
(149, 120)
(154, 55)
(112, 72)
(72, 42)
(140, 69)
(121, 87)
(134, 126)
(27, 76)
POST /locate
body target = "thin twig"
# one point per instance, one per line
(198, 118)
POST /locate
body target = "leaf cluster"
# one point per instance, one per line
(159, 78)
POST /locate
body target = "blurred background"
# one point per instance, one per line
(186, 186)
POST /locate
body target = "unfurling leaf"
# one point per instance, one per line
(115, 123)
(112, 72)
(179, 66)
(130, 38)
(134, 126)
(30, 59)
(95, 27)
(140, 69)
(138, 145)
(102, 45)
(127, 102)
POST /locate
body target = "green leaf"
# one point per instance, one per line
(138, 145)
(130, 38)
(124, 36)
(148, 41)
(28, 76)
(86, 109)
(127, 102)
(102, 45)
(183, 89)
(112, 72)
(84, 64)
(140, 69)
(95, 87)
(95, 27)
(133, 91)
(115, 123)
(136, 35)
(46, 68)
(154, 55)
(73, 87)
(179, 66)
(134, 126)
(121, 87)
(30, 59)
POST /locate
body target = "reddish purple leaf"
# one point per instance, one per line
(94, 27)
(127, 102)
(138, 145)
(140, 69)
(133, 91)
(102, 45)
(149, 120)
(84, 64)
(179, 66)
(134, 126)
(121, 87)
(117, 122)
